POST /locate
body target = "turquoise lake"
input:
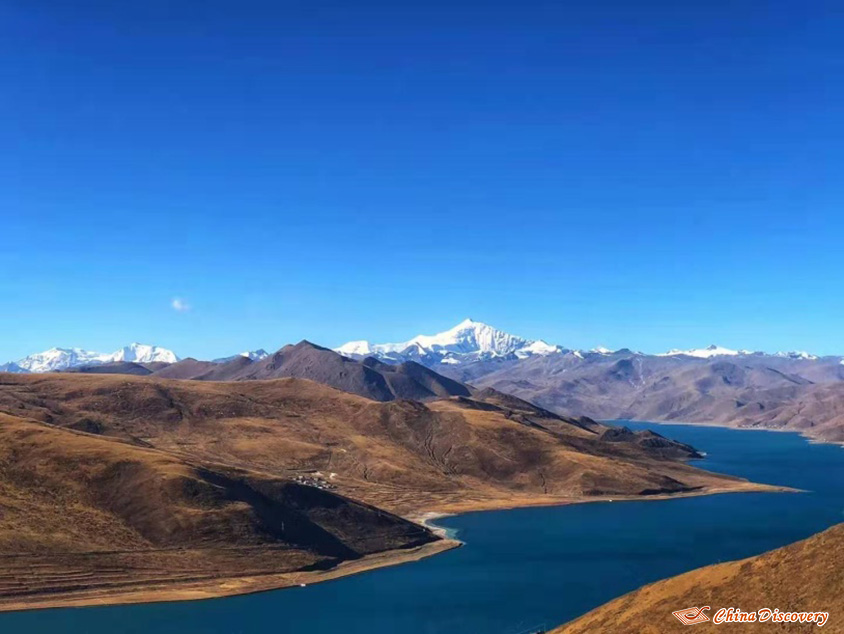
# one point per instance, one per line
(526, 568)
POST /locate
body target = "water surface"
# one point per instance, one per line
(524, 568)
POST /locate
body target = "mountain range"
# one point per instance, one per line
(467, 342)
(784, 390)
(58, 359)
(369, 377)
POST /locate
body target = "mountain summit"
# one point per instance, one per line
(468, 340)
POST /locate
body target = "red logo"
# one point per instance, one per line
(692, 616)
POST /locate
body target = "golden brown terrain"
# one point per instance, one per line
(122, 488)
(807, 576)
(83, 516)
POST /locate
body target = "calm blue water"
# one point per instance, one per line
(526, 567)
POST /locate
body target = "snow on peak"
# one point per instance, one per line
(142, 353)
(601, 350)
(704, 353)
(537, 347)
(57, 359)
(468, 338)
(255, 355)
(471, 336)
(362, 348)
(718, 351)
(797, 354)
(252, 355)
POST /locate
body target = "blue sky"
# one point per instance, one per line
(644, 174)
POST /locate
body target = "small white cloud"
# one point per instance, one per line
(180, 305)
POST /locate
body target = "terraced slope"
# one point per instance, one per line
(84, 514)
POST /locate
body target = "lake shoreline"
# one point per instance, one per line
(738, 427)
(233, 586)
(426, 518)
(556, 564)
(236, 586)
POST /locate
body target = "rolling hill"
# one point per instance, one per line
(85, 516)
(402, 455)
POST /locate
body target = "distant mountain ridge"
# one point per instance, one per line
(369, 377)
(468, 340)
(471, 341)
(719, 351)
(58, 359)
(466, 343)
(785, 390)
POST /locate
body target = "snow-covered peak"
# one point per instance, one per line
(467, 339)
(362, 348)
(471, 336)
(255, 355)
(537, 347)
(143, 353)
(601, 350)
(57, 359)
(797, 354)
(704, 353)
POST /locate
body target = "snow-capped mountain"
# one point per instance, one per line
(718, 351)
(797, 354)
(705, 353)
(252, 355)
(57, 359)
(141, 353)
(468, 340)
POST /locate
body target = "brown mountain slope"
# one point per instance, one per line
(754, 390)
(816, 411)
(368, 378)
(84, 515)
(807, 576)
(121, 367)
(187, 369)
(404, 455)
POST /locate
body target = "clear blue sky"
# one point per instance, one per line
(617, 172)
